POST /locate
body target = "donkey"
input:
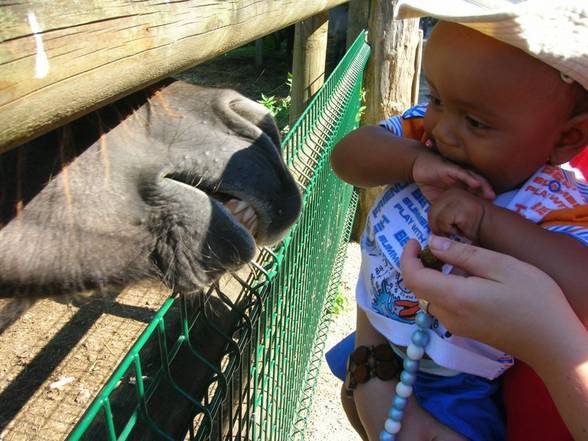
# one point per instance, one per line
(175, 182)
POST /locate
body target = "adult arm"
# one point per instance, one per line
(513, 306)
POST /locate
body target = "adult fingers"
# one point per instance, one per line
(426, 283)
(474, 260)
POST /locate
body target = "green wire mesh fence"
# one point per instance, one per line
(240, 362)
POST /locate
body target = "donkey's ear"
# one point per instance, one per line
(573, 138)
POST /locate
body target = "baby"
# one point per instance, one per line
(500, 120)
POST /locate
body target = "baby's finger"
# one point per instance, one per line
(484, 186)
(441, 219)
(462, 175)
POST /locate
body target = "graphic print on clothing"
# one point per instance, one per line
(401, 214)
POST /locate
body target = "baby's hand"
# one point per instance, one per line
(434, 175)
(459, 212)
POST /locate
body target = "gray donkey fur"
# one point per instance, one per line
(136, 190)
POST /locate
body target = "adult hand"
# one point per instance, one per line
(513, 306)
(504, 302)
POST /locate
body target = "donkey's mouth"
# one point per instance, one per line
(240, 211)
(244, 214)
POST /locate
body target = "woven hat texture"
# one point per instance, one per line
(554, 31)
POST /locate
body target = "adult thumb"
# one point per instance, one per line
(474, 260)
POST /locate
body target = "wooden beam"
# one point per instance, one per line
(310, 54)
(62, 59)
(391, 68)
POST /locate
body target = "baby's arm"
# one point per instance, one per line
(561, 256)
(372, 156)
(564, 258)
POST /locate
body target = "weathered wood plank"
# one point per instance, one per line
(388, 78)
(416, 80)
(62, 59)
(310, 54)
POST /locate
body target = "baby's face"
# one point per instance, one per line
(492, 108)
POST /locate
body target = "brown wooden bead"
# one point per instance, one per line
(383, 352)
(360, 355)
(386, 370)
(361, 373)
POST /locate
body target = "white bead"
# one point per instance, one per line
(392, 426)
(403, 390)
(415, 352)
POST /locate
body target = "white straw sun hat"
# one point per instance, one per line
(554, 31)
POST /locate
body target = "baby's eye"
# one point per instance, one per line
(476, 124)
(433, 100)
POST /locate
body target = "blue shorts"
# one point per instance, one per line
(466, 403)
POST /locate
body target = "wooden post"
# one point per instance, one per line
(388, 79)
(310, 54)
(357, 19)
(416, 80)
(259, 53)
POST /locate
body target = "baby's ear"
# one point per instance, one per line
(573, 138)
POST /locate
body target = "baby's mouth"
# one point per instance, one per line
(431, 144)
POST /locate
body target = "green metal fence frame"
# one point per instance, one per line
(263, 388)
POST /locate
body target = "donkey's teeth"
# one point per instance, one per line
(253, 228)
(248, 214)
(231, 204)
(243, 213)
(241, 205)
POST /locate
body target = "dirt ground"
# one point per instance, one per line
(57, 355)
(327, 419)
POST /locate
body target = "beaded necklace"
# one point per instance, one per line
(404, 388)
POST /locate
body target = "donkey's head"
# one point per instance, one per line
(177, 182)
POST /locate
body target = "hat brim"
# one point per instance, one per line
(555, 33)
(455, 10)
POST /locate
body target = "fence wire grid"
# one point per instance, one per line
(241, 362)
